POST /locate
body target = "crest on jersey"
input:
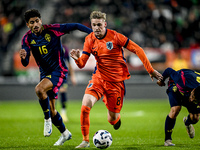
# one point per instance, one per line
(47, 37)
(109, 45)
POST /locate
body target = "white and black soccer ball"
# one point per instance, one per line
(102, 139)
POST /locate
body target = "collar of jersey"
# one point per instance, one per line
(103, 36)
(41, 32)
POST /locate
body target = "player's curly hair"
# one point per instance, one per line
(31, 13)
(197, 94)
(98, 15)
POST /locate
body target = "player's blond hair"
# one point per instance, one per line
(98, 15)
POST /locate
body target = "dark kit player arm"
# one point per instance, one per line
(24, 57)
(75, 26)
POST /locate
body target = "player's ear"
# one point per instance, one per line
(27, 25)
(105, 24)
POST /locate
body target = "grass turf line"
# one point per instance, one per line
(21, 126)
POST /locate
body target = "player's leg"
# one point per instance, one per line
(87, 103)
(41, 91)
(58, 122)
(114, 119)
(64, 99)
(175, 103)
(113, 100)
(188, 124)
(170, 123)
(192, 118)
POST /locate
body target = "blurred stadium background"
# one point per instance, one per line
(168, 31)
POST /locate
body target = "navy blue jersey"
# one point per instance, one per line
(47, 48)
(185, 79)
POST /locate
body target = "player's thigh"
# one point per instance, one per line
(45, 85)
(94, 88)
(175, 98)
(174, 111)
(89, 100)
(193, 110)
(57, 78)
(194, 117)
(114, 95)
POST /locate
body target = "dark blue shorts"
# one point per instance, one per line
(177, 99)
(57, 78)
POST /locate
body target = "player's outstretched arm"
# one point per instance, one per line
(80, 61)
(157, 75)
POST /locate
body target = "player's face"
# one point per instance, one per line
(35, 24)
(98, 27)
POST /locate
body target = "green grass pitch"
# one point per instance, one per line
(21, 126)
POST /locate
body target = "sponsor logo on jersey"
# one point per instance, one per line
(33, 42)
(109, 45)
(47, 37)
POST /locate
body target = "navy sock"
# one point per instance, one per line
(169, 126)
(45, 107)
(63, 99)
(188, 121)
(58, 122)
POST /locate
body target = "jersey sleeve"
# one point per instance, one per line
(67, 27)
(85, 55)
(26, 46)
(133, 47)
(169, 72)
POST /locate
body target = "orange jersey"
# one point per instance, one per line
(108, 51)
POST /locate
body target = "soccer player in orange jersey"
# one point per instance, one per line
(111, 71)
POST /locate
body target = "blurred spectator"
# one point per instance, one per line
(166, 24)
(179, 62)
(144, 21)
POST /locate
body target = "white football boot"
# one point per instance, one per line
(168, 143)
(84, 144)
(47, 127)
(66, 135)
(190, 129)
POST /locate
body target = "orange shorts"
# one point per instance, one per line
(112, 92)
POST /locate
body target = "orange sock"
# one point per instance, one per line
(115, 121)
(85, 122)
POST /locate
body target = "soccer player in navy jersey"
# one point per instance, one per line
(183, 90)
(44, 41)
(64, 87)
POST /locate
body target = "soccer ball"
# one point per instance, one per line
(102, 139)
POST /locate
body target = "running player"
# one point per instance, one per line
(183, 90)
(111, 71)
(64, 87)
(45, 43)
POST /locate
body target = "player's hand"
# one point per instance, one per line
(22, 53)
(161, 83)
(157, 75)
(75, 54)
